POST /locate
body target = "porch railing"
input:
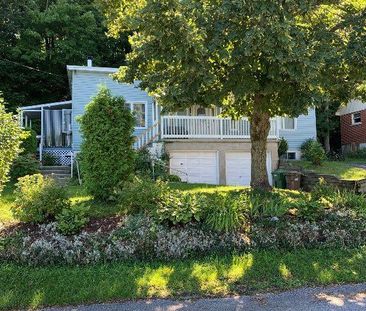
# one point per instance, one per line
(209, 127)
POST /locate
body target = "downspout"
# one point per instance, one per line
(41, 141)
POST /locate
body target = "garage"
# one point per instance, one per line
(195, 167)
(238, 168)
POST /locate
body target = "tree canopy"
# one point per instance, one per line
(38, 38)
(260, 58)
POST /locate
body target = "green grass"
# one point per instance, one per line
(343, 170)
(27, 287)
(203, 188)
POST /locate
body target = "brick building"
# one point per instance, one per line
(353, 125)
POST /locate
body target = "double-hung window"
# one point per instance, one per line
(288, 123)
(356, 118)
(139, 110)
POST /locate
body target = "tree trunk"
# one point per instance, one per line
(327, 142)
(259, 128)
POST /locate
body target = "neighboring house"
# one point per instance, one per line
(353, 125)
(203, 147)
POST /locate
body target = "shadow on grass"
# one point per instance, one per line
(27, 287)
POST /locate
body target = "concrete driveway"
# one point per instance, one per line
(345, 297)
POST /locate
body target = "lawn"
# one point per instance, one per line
(341, 169)
(27, 287)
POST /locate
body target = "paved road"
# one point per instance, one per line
(346, 297)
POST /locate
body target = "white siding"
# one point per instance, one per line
(86, 85)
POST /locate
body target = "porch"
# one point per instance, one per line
(53, 124)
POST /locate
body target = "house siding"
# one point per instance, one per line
(305, 129)
(353, 134)
(85, 85)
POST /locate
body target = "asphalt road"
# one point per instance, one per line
(337, 298)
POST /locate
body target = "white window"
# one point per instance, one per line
(288, 123)
(139, 110)
(356, 118)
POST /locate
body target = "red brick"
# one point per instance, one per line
(353, 134)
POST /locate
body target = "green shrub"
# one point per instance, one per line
(179, 207)
(143, 162)
(71, 220)
(358, 154)
(282, 147)
(332, 197)
(146, 165)
(309, 210)
(29, 144)
(48, 159)
(11, 136)
(107, 155)
(313, 151)
(38, 199)
(142, 195)
(224, 212)
(350, 200)
(24, 164)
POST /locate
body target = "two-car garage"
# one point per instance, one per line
(195, 166)
(214, 167)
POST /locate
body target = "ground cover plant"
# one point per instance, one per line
(152, 220)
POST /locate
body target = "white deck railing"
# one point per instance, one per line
(209, 127)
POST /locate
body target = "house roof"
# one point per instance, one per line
(352, 106)
(35, 107)
(91, 69)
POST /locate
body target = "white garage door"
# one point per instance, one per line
(238, 169)
(195, 167)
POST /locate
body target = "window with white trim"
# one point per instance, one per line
(138, 109)
(288, 123)
(356, 118)
(291, 155)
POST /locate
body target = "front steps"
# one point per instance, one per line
(62, 174)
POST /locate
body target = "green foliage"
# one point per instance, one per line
(259, 204)
(48, 159)
(313, 151)
(24, 164)
(309, 210)
(107, 155)
(224, 212)
(253, 58)
(29, 144)
(358, 154)
(11, 136)
(155, 168)
(38, 34)
(143, 162)
(179, 207)
(142, 195)
(282, 147)
(71, 220)
(38, 199)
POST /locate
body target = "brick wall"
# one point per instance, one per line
(353, 134)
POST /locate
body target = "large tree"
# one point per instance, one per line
(38, 38)
(259, 58)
